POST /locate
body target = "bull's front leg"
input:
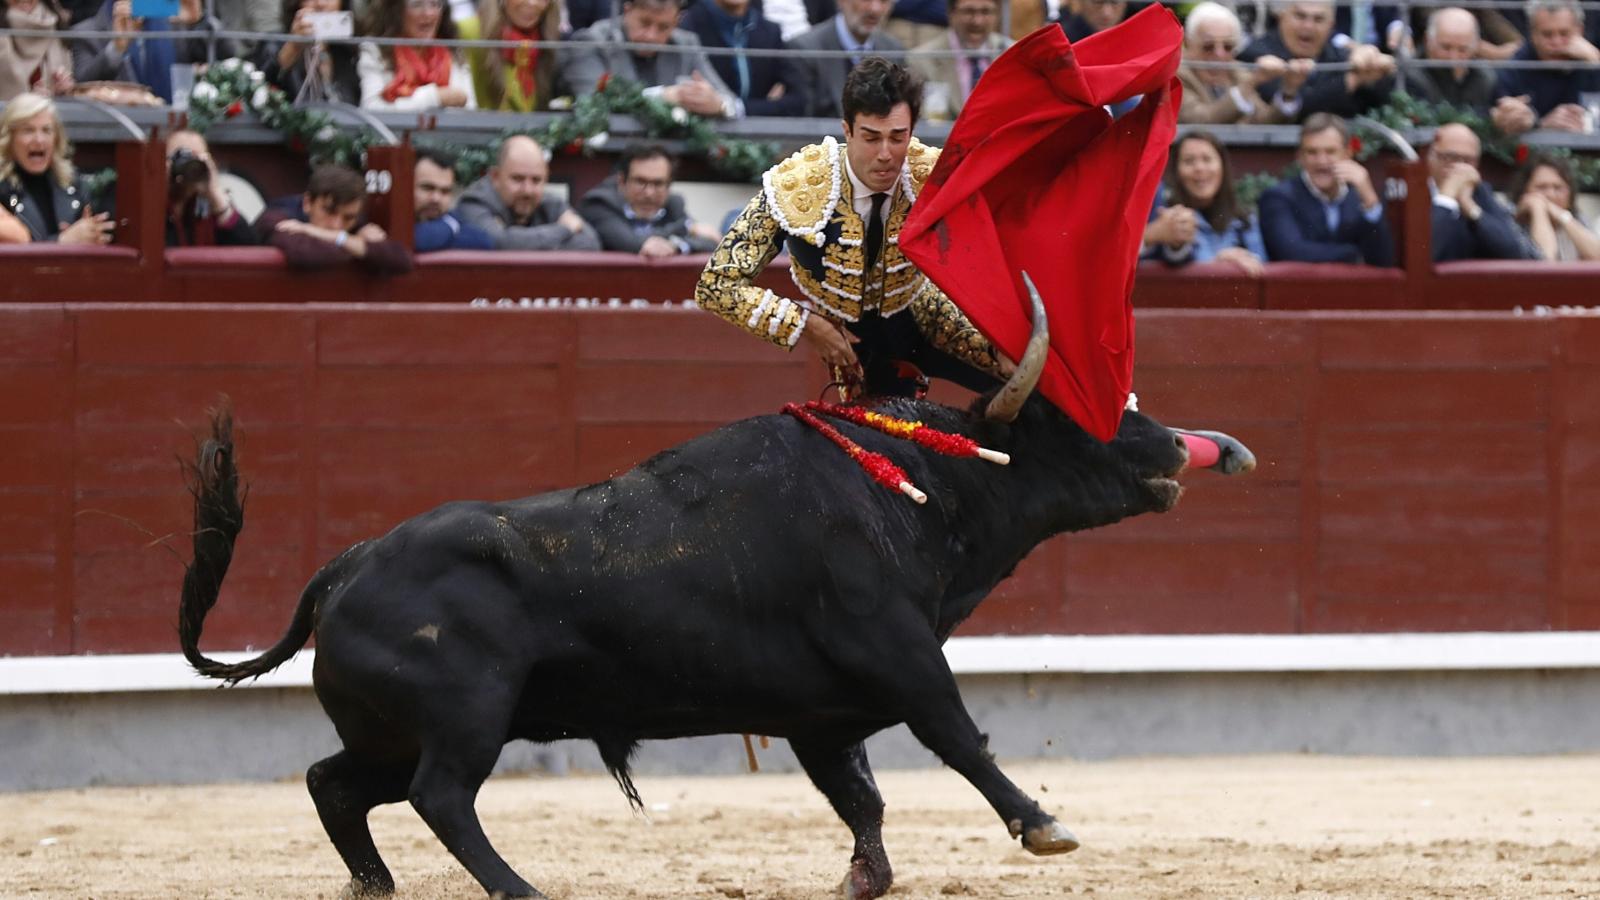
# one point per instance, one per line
(939, 719)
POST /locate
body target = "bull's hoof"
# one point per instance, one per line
(1048, 839)
(865, 881)
(361, 890)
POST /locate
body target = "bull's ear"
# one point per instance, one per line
(1006, 404)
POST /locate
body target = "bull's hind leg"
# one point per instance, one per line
(345, 788)
(841, 773)
(454, 766)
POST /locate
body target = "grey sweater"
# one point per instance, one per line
(480, 206)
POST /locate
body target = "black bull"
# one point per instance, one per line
(751, 580)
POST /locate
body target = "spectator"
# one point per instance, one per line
(682, 76)
(795, 17)
(766, 85)
(1365, 22)
(37, 182)
(853, 28)
(510, 206)
(412, 77)
(199, 211)
(12, 231)
(322, 234)
(1542, 191)
(1452, 35)
(1196, 216)
(975, 41)
(1302, 40)
(40, 64)
(515, 79)
(434, 193)
(138, 59)
(1081, 18)
(1028, 16)
(913, 22)
(1468, 222)
(264, 16)
(635, 211)
(1552, 98)
(317, 72)
(1330, 211)
(1212, 34)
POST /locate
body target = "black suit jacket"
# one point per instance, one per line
(1324, 90)
(602, 208)
(1294, 228)
(1494, 236)
(826, 76)
(765, 71)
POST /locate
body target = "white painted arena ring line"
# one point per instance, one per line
(1034, 654)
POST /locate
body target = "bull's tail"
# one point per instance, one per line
(218, 517)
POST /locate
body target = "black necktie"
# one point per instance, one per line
(875, 229)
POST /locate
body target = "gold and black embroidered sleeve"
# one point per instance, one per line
(946, 327)
(727, 286)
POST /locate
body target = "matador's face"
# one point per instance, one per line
(877, 145)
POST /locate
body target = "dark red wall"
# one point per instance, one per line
(1430, 471)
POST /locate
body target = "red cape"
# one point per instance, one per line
(1037, 176)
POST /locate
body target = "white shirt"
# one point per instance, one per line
(861, 196)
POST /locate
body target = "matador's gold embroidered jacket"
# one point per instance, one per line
(805, 203)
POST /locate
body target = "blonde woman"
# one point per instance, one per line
(37, 182)
(514, 79)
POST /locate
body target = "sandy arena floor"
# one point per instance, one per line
(1233, 828)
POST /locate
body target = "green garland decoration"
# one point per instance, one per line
(585, 130)
(1404, 112)
(232, 87)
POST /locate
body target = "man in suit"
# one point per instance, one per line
(636, 212)
(975, 41)
(854, 28)
(1554, 98)
(1452, 35)
(1330, 212)
(766, 85)
(1468, 222)
(1217, 96)
(1303, 41)
(682, 76)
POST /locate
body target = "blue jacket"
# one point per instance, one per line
(715, 27)
(1494, 236)
(1546, 88)
(1294, 228)
(449, 233)
(1207, 242)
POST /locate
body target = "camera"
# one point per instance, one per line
(187, 174)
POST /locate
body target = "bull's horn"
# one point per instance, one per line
(1006, 404)
(1217, 451)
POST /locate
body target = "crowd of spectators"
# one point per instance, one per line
(1314, 63)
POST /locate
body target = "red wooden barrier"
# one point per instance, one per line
(1420, 471)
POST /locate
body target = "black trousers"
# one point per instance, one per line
(887, 341)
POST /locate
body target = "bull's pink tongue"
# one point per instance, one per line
(1202, 451)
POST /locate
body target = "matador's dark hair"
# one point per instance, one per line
(876, 86)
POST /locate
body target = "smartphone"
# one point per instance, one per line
(155, 9)
(326, 25)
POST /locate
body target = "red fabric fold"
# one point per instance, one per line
(1037, 176)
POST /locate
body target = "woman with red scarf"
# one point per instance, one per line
(514, 79)
(413, 76)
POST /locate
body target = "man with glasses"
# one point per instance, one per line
(1468, 222)
(635, 211)
(1218, 96)
(975, 42)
